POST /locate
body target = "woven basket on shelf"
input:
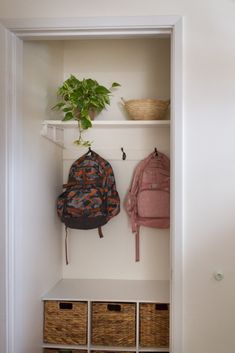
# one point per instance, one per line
(146, 109)
(113, 324)
(65, 322)
(154, 325)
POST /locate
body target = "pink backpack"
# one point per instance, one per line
(148, 200)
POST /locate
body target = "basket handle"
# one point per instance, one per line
(114, 307)
(66, 306)
(161, 306)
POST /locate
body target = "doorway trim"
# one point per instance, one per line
(19, 30)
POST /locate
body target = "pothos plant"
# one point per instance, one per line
(81, 101)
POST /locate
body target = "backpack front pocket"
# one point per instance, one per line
(84, 202)
(153, 203)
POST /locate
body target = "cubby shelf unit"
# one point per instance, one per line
(114, 291)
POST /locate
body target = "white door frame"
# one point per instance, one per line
(10, 159)
(12, 34)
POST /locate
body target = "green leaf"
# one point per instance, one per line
(115, 84)
(94, 103)
(58, 105)
(65, 110)
(106, 100)
(68, 116)
(91, 83)
(83, 143)
(84, 112)
(102, 90)
(86, 122)
(87, 143)
(72, 78)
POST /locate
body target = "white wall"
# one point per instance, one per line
(114, 255)
(142, 67)
(209, 169)
(38, 255)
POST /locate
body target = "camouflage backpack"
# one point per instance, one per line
(90, 198)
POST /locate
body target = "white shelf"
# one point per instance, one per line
(64, 346)
(110, 290)
(104, 348)
(54, 129)
(107, 123)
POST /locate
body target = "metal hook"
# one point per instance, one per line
(89, 152)
(123, 154)
(156, 152)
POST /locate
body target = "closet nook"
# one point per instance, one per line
(103, 300)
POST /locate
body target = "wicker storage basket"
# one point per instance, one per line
(146, 109)
(113, 324)
(154, 325)
(65, 322)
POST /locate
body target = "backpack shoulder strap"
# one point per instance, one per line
(112, 197)
(133, 191)
(131, 202)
